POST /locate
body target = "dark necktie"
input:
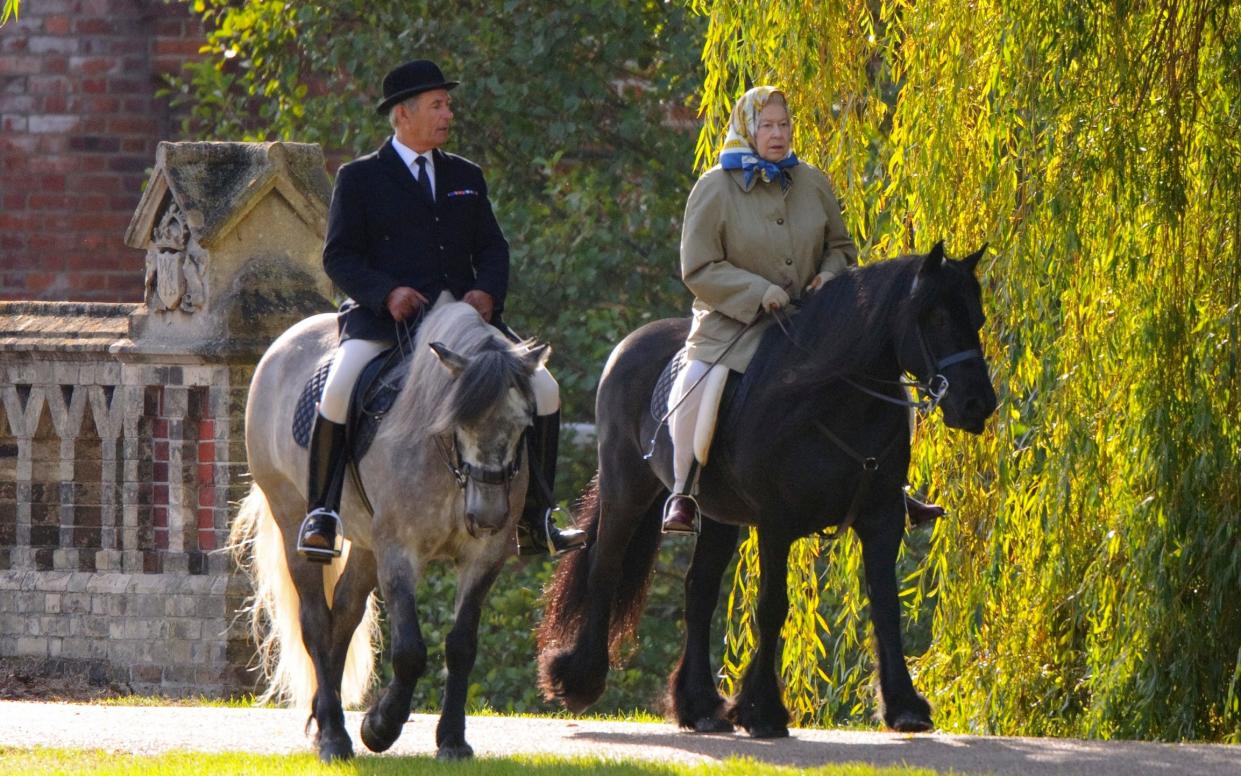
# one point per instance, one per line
(424, 179)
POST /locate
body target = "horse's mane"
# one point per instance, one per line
(840, 328)
(431, 401)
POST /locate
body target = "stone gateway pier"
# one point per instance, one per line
(121, 425)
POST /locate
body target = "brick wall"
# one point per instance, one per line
(79, 123)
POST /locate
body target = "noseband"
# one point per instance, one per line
(463, 471)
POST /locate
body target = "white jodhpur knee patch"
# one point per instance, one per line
(704, 430)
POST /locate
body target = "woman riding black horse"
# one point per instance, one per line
(816, 436)
(760, 229)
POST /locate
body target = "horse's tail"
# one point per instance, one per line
(566, 597)
(258, 548)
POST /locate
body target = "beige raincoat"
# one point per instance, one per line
(734, 243)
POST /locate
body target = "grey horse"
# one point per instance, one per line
(446, 483)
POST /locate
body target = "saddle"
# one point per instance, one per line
(373, 395)
(730, 402)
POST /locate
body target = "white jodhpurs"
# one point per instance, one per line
(351, 358)
(353, 355)
(546, 392)
(692, 423)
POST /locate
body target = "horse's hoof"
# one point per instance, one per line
(769, 731)
(911, 722)
(335, 751)
(375, 737)
(713, 725)
(461, 751)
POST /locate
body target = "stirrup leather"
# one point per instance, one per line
(319, 554)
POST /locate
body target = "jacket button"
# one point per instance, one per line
(779, 221)
(441, 247)
(789, 262)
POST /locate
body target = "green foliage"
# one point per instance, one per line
(11, 9)
(569, 109)
(1086, 582)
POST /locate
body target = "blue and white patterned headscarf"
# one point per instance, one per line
(739, 152)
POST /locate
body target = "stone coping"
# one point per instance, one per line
(65, 327)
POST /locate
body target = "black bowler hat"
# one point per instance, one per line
(420, 75)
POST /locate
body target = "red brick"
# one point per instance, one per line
(181, 46)
(93, 26)
(206, 540)
(127, 86)
(122, 163)
(159, 494)
(49, 84)
(21, 65)
(95, 104)
(206, 495)
(159, 471)
(131, 125)
(43, 201)
(87, 222)
(55, 65)
(170, 28)
(56, 103)
(95, 66)
(88, 163)
(161, 538)
(57, 25)
(94, 85)
(102, 184)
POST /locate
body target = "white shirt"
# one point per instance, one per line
(410, 157)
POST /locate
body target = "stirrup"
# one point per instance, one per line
(573, 538)
(319, 554)
(697, 522)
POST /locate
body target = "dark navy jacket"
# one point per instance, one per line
(383, 232)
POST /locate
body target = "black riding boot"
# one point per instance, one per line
(536, 531)
(921, 513)
(319, 538)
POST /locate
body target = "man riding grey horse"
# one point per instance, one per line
(407, 223)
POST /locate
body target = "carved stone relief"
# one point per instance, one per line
(175, 265)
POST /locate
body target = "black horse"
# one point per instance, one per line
(818, 437)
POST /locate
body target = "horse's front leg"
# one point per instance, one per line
(692, 694)
(331, 738)
(460, 651)
(758, 707)
(397, 580)
(903, 708)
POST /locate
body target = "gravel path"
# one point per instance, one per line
(150, 730)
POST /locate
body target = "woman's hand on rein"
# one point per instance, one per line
(774, 298)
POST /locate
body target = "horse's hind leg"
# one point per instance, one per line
(397, 580)
(758, 707)
(460, 651)
(693, 697)
(903, 708)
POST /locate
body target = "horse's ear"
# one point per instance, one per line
(971, 261)
(933, 259)
(453, 362)
(536, 357)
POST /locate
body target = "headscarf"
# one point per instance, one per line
(739, 152)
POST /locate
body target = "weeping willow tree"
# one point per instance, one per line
(1088, 582)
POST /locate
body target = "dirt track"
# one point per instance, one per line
(158, 729)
